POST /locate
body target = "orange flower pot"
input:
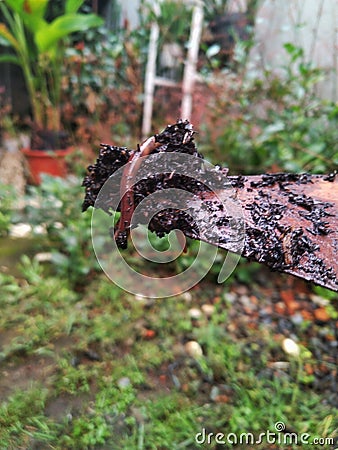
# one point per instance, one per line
(52, 162)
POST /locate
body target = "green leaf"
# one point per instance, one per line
(36, 8)
(317, 147)
(294, 51)
(10, 59)
(47, 38)
(72, 6)
(30, 12)
(15, 5)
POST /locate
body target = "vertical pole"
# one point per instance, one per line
(189, 76)
(149, 83)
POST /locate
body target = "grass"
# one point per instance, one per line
(85, 365)
(88, 374)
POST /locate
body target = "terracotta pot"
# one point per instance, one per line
(51, 162)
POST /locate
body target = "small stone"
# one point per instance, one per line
(290, 347)
(20, 230)
(58, 225)
(208, 309)
(230, 297)
(214, 393)
(187, 296)
(39, 229)
(242, 289)
(320, 301)
(245, 300)
(146, 301)
(123, 382)
(43, 257)
(297, 318)
(193, 349)
(195, 313)
(279, 365)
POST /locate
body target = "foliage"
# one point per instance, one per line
(173, 18)
(39, 49)
(56, 205)
(275, 122)
(7, 197)
(103, 75)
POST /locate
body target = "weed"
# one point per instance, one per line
(7, 197)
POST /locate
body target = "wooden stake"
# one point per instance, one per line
(189, 76)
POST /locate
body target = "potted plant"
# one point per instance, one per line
(39, 49)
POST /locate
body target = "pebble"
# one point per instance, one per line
(187, 296)
(40, 229)
(20, 230)
(242, 290)
(123, 382)
(147, 301)
(208, 309)
(58, 225)
(290, 347)
(43, 257)
(195, 313)
(246, 301)
(320, 301)
(193, 349)
(214, 393)
(297, 318)
(231, 297)
(280, 365)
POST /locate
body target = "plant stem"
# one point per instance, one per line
(24, 56)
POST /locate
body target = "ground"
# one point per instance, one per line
(99, 368)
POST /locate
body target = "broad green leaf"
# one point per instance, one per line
(72, 6)
(10, 58)
(35, 8)
(15, 5)
(47, 38)
(30, 12)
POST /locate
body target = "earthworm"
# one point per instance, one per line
(126, 190)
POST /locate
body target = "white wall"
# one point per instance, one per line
(310, 24)
(129, 12)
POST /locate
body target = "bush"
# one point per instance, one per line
(7, 196)
(273, 122)
(56, 205)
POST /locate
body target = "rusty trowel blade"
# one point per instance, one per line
(290, 223)
(290, 219)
